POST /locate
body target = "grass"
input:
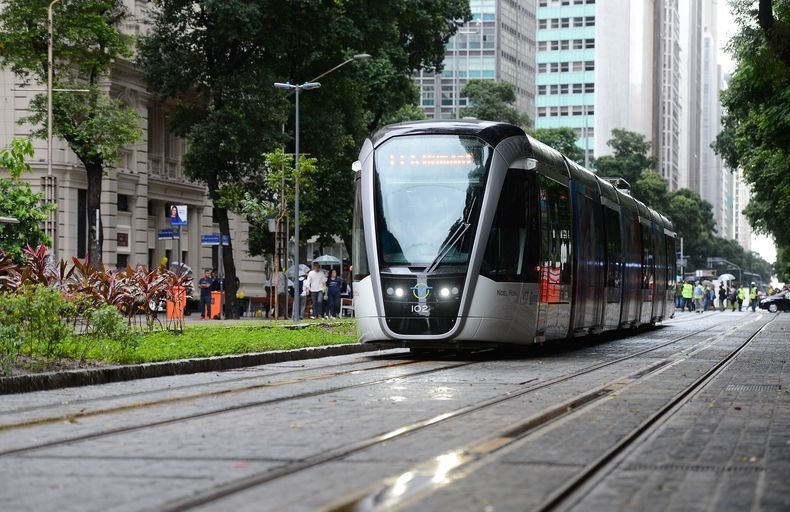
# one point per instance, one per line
(226, 339)
(197, 340)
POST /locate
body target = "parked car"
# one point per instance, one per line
(778, 302)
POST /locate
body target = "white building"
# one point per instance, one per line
(600, 68)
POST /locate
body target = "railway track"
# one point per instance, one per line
(480, 452)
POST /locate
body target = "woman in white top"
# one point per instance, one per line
(315, 287)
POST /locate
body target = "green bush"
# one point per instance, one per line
(10, 343)
(108, 333)
(40, 318)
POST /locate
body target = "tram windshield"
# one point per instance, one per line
(428, 191)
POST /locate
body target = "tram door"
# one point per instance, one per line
(554, 309)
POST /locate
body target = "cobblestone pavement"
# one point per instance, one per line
(472, 432)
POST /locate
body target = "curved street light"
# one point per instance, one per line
(296, 89)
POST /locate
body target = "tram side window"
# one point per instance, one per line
(671, 263)
(647, 257)
(359, 256)
(512, 248)
(614, 253)
(555, 240)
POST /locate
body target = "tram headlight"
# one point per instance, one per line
(390, 291)
(399, 292)
(444, 293)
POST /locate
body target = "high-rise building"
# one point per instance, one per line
(597, 68)
(742, 230)
(666, 96)
(691, 31)
(497, 44)
(715, 183)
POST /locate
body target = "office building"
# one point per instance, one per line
(497, 44)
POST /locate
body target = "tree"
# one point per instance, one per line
(561, 139)
(19, 202)
(217, 62)
(86, 41)
(756, 134)
(651, 188)
(492, 100)
(631, 157)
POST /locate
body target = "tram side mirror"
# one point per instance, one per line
(356, 166)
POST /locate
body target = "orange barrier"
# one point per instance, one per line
(176, 303)
(215, 310)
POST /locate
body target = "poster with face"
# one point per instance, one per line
(178, 215)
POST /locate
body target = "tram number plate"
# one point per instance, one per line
(420, 308)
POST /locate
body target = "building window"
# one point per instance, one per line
(123, 261)
(123, 203)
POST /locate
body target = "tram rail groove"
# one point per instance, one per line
(465, 460)
(342, 452)
(118, 396)
(214, 412)
(82, 413)
(574, 490)
(137, 405)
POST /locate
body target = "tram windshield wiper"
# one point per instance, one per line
(447, 246)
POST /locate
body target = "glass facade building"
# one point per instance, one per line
(566, 61)
(497, 44)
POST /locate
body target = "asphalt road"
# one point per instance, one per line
(694, 414)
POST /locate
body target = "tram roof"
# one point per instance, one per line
(490, 132)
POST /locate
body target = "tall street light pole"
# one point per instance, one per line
(49, 196)
(49, 87)
(291, 88)
(296, 89)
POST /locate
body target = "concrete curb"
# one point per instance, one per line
(73, 378)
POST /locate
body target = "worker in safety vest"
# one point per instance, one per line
(741, 297)
(753, 297)
(698, 294)
(688, 290)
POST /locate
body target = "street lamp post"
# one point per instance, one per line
(296, 89)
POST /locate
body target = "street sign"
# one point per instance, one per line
(167, 234)
(682, 262)
(214, 239)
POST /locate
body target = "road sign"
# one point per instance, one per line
(214, 239)
(167, 234)
(682, 262)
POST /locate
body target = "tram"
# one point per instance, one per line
(471, 232)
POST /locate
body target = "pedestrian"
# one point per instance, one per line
(679, 295)
(733, 298)
(753, 297)
(698, 294)
(205, 284)
(722, 297)
(688, 292)
(740, 297)
(333, 286)
(315, 287)
(301, 289)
